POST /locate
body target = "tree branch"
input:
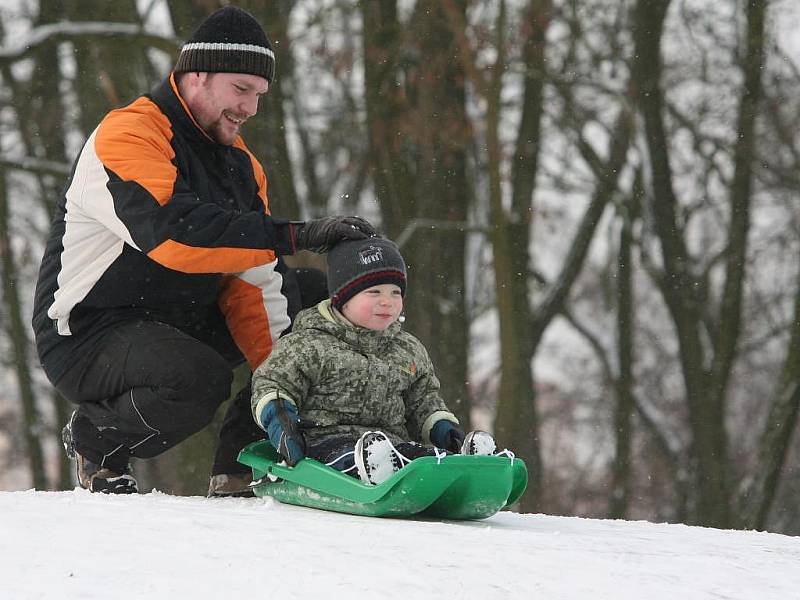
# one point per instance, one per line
(66, 31)
(35, 165)
(607, 177)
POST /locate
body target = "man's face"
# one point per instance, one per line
(222, 102)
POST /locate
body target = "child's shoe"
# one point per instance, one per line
(376, 458)
(478, 443)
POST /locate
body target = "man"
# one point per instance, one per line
(161, 273)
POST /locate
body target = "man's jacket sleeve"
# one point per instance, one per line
(256, 311)
(156, 212)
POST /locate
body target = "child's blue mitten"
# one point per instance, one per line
(446, 434)
(279, 419)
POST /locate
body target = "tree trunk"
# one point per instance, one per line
(729, 326)
(759, 492)
(21, 347)
(41, 134)
(265, 133)
(418, 138)
(705, 381)
(517, 424)
(386, 109)
(677, 286)
(99, 84)
(625, 405)
(436, 303)
(186, 16)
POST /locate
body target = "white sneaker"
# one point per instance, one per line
(376, 458)
(478, 443)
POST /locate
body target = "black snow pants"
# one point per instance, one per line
(338, 452)
(148, 386)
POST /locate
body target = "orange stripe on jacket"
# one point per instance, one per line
(128, 143)
(249, 322)
(190, 259)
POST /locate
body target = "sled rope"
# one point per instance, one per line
(507, 453)
(404, 460)
(338, 458)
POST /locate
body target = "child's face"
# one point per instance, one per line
(375, 308)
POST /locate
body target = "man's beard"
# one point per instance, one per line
(217, 132)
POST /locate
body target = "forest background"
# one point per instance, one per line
(597, 201)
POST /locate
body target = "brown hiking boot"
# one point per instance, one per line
(235, 485)
(92, 477)
(102, 479)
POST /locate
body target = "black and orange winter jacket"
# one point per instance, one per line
(159, 221)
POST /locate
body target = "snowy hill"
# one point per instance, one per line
(75, 545)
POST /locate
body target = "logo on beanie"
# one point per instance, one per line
(370, 255)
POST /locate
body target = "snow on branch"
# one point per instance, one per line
(66, 30)
(35, 165)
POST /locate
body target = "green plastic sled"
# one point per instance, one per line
(453, 487)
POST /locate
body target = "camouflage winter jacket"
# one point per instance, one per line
(348, 380)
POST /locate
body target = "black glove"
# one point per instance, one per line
(320, 235)
(279, 419)
(446, 434)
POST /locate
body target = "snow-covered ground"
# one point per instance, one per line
(77, 545)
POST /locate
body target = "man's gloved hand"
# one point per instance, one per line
(320, 235)
(447, 435)
(279, 419)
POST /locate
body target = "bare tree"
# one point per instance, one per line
(706, 368)
(41, 140)
(522, 325)
(18, 333)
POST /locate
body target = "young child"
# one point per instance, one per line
(364, 390)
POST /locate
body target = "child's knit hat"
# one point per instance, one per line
(229, 41)
(354, 266)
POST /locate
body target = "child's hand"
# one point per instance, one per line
(279, 419)
(446, 434)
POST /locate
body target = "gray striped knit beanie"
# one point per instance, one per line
(354, 266)
(228, 41)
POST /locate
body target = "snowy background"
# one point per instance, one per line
(75, 545)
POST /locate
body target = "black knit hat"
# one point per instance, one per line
(228, 41)
(357, 265)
